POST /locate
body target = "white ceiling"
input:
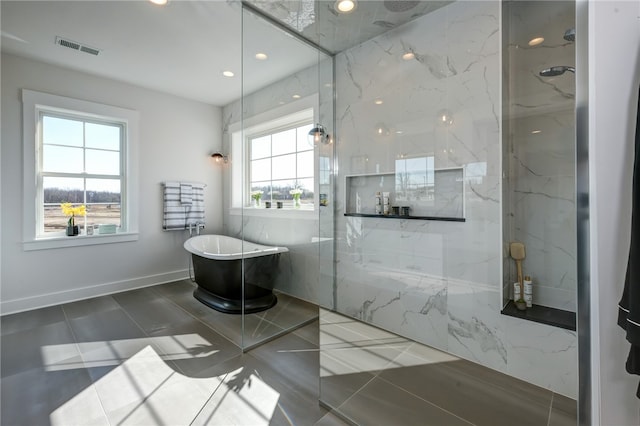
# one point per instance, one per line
(180, 49)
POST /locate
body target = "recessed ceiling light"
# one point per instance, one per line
(408, 56)
(261, 56)
(536, 41)
(228, 73)
(296, 96)
(345, 6)
(378, 102)
(535, 132)
(159, 2)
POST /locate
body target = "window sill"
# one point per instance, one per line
(79, 240)
(284, 213)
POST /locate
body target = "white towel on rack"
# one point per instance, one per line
(186, 194)
(174, 213)
(195, 212)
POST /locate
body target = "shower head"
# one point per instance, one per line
(557, 70)
(570, 34)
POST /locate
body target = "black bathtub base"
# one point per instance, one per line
(232, 306)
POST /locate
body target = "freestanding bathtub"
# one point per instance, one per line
(217, 264)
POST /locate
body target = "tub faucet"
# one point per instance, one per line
(199, 225)
(191, 229)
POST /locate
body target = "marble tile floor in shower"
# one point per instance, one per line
(157, 356)
(379, 378)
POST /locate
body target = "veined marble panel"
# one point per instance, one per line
(543, 355)
(476, 327)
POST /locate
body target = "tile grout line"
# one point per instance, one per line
(428, 402)
(281, 333)
(252, 346)
(198, 319)
(550, 410)
(179, 370)
(208, 399)
(75, 342)
(146, 335)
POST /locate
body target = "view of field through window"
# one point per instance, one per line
(81, 164)
(283, 162)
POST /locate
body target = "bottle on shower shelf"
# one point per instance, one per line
(378, 203)
(528, 291)
(385, 203)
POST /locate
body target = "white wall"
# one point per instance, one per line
(614, 75)
(176, 137)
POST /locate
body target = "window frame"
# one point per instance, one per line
(35, 105)
(297, 111)
(295, 121)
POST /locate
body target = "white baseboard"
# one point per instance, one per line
(57, 298)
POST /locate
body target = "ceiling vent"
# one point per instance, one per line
(65, 42)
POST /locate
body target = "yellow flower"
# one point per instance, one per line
(80, 210)
(69, 210)
(66, 209)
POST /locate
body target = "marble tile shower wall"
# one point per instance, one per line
(438, 283)
(541, 155)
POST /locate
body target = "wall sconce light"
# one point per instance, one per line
(318, 135)
(445, 117)
(382, 129)
(218, 157)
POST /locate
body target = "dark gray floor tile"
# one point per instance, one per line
(290, 311)
(295, 356)
(104, 326)
(22, 321)
(381, 403)
(299, 406)
(507, 383)
(193, 347)
(48, 347)
(309, 332)
(107, 339)
(474, 398)
(564, 411)
(259, 327)
(152, 313)
(176, 289)
(331, 419)
(256, 329)
(139, 295)
(37, 397)
(146, 390)
(91, 306)
(335, 390)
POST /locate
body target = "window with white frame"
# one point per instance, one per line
(80, 162)
(281, 164)
(82, 153)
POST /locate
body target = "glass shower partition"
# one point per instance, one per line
(285, 154)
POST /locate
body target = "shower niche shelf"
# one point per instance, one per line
(435, 194)
(544, 315)
(392, 216)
